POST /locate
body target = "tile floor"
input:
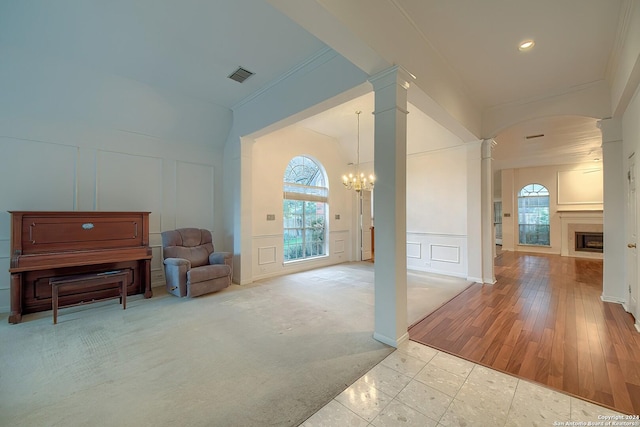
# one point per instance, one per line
(417, 385)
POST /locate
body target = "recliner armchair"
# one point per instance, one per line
(191, 266)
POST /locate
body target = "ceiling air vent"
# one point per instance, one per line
(540, 135)
(240, 75)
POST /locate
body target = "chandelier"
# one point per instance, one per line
(358, 181)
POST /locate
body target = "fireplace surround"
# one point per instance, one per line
(584, 222)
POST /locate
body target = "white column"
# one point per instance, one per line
(488, 233)
(474, 211)
(390, 205)
(614, 288)
(245, 267)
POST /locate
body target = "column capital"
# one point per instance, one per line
(487, 148)
(392, 75)
(611, 129)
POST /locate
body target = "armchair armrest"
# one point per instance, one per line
(175, 270)
(178, 262)
(221, 258)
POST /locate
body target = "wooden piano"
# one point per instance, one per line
(46, 245)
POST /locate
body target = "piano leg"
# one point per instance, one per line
(16, 298)
(147, 278)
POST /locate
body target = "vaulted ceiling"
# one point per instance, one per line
(464, 54)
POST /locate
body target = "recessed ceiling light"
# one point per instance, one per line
(526, 45)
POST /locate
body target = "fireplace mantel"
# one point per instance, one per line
(572, 221)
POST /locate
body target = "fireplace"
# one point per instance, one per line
(589, 241)
(572, 223)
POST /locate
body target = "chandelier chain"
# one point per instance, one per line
(358, 182)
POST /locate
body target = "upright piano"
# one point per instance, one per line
(46, 245)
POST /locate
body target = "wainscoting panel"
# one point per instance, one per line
(5, 249)
(445, 253)
(45, 178)
(4, 285)
(194, 195)
(414, 250)
(442, 254)
(267, 255)
(339, 246)
(157, 267)
(127, 182)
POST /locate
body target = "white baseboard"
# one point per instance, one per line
(461, 275)
(389, 341)
(474, 279)
(616, 300)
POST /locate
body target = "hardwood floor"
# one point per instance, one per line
(544, 321)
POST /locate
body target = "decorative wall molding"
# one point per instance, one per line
(424, 233)
(444, 253)
(268, 236)
(267, 255)
(414, 250)
(580, 187)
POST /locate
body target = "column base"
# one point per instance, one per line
(390, 341)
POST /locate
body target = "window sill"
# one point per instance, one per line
(303, 260)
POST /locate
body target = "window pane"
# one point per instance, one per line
(304, 229)
(304, 218)
(533, 215)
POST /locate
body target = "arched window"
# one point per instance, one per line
(533, 215)
(304, 209)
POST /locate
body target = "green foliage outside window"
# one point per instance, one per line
(304, 210)
(533, 215)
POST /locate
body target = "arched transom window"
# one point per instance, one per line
(304, 209)
(533, 215)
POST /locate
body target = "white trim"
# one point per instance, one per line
(325, 51)
(437, 271)
(414, 245)
(578, 218)
(268, 253)
(268, 236)
(389, 341)
(605, 298)
(452, 261)
(559, 194)
(423, 233)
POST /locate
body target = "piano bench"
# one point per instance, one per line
(79, 281)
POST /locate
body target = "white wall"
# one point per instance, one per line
(571, 187)
(74, 138)
(437, 211)
(270, 157)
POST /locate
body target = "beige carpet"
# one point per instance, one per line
(271, 353)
